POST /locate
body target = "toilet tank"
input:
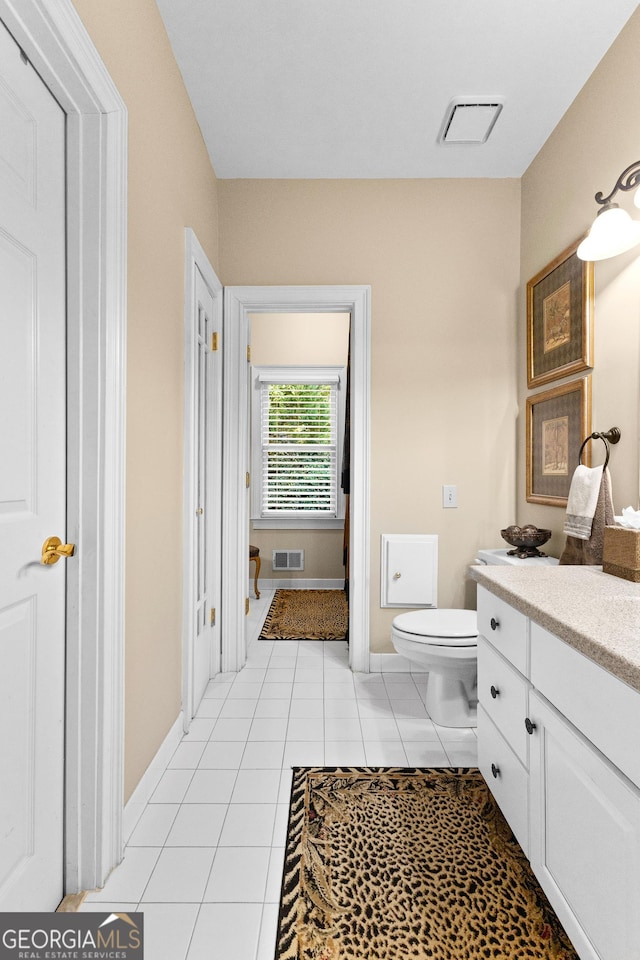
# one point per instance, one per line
(497, 557)
(409, 570)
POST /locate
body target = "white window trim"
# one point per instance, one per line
(307, 373)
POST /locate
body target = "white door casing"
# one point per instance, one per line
(32, 484)
(202, 474)
(52, 36)
(239, 303)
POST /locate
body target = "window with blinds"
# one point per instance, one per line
(300, 438)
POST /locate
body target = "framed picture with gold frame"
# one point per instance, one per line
(560, 319)
(558, 420)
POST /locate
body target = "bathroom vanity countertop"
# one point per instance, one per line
(594, 612)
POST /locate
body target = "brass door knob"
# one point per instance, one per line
(53, 548)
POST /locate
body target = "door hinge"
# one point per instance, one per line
(212, 616)
(248, 353)
(246, 607)
(214, 341)
(247, 479)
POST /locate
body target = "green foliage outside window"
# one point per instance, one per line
(300, 450)
(300, 413)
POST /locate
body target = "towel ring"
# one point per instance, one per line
(609, 436)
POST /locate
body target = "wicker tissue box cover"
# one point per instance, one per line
(621, 553)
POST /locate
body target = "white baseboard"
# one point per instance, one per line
(297, 584)
(392, 663)
(151, 777)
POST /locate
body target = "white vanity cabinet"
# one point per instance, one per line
(585, 797)
(502, 705)
(571, 791)
(584, 838)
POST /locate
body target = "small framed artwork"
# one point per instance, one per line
(558, 420)
(560, 319)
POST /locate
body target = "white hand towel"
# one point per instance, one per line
(582, 500)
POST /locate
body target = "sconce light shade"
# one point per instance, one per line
(613, 232)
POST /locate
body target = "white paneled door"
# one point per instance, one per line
(206, 653)
(202, 475)
(32, 485)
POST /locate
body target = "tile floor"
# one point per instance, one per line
(204, 860)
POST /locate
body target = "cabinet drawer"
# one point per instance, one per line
(506, 777)
(503, 692)
(605, 709)
(505, 627)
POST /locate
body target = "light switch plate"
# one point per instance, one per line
(449, 496)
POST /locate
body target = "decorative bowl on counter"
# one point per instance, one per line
(526, 540)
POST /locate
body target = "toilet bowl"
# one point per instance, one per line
(444, 643)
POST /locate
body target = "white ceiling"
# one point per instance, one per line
(359, 88)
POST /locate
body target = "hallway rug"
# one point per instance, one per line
(405, 864)
(307, 615)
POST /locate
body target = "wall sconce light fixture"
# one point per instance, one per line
(613, 231)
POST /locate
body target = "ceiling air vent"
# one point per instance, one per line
(288, 560)
(470, 120)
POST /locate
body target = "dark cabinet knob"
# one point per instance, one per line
(494, 623)
(494, 691)
(495, 771)
(529, 725)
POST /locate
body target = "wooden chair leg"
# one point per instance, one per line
(258, 563)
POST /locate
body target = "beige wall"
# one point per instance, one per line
(322, 554)
(442, 260)
(171, 186)
(597, 138)
(300, 338)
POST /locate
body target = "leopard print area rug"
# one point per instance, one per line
(404, 864)
(307, 615)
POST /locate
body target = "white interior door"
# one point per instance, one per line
(203, 454)
(32, 485)
(206, 660)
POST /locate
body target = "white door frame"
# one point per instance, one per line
(239, 302)
(52, 36)
(195, 259)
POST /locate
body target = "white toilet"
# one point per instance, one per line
(445, 643)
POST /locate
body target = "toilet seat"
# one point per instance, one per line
(445, 628)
